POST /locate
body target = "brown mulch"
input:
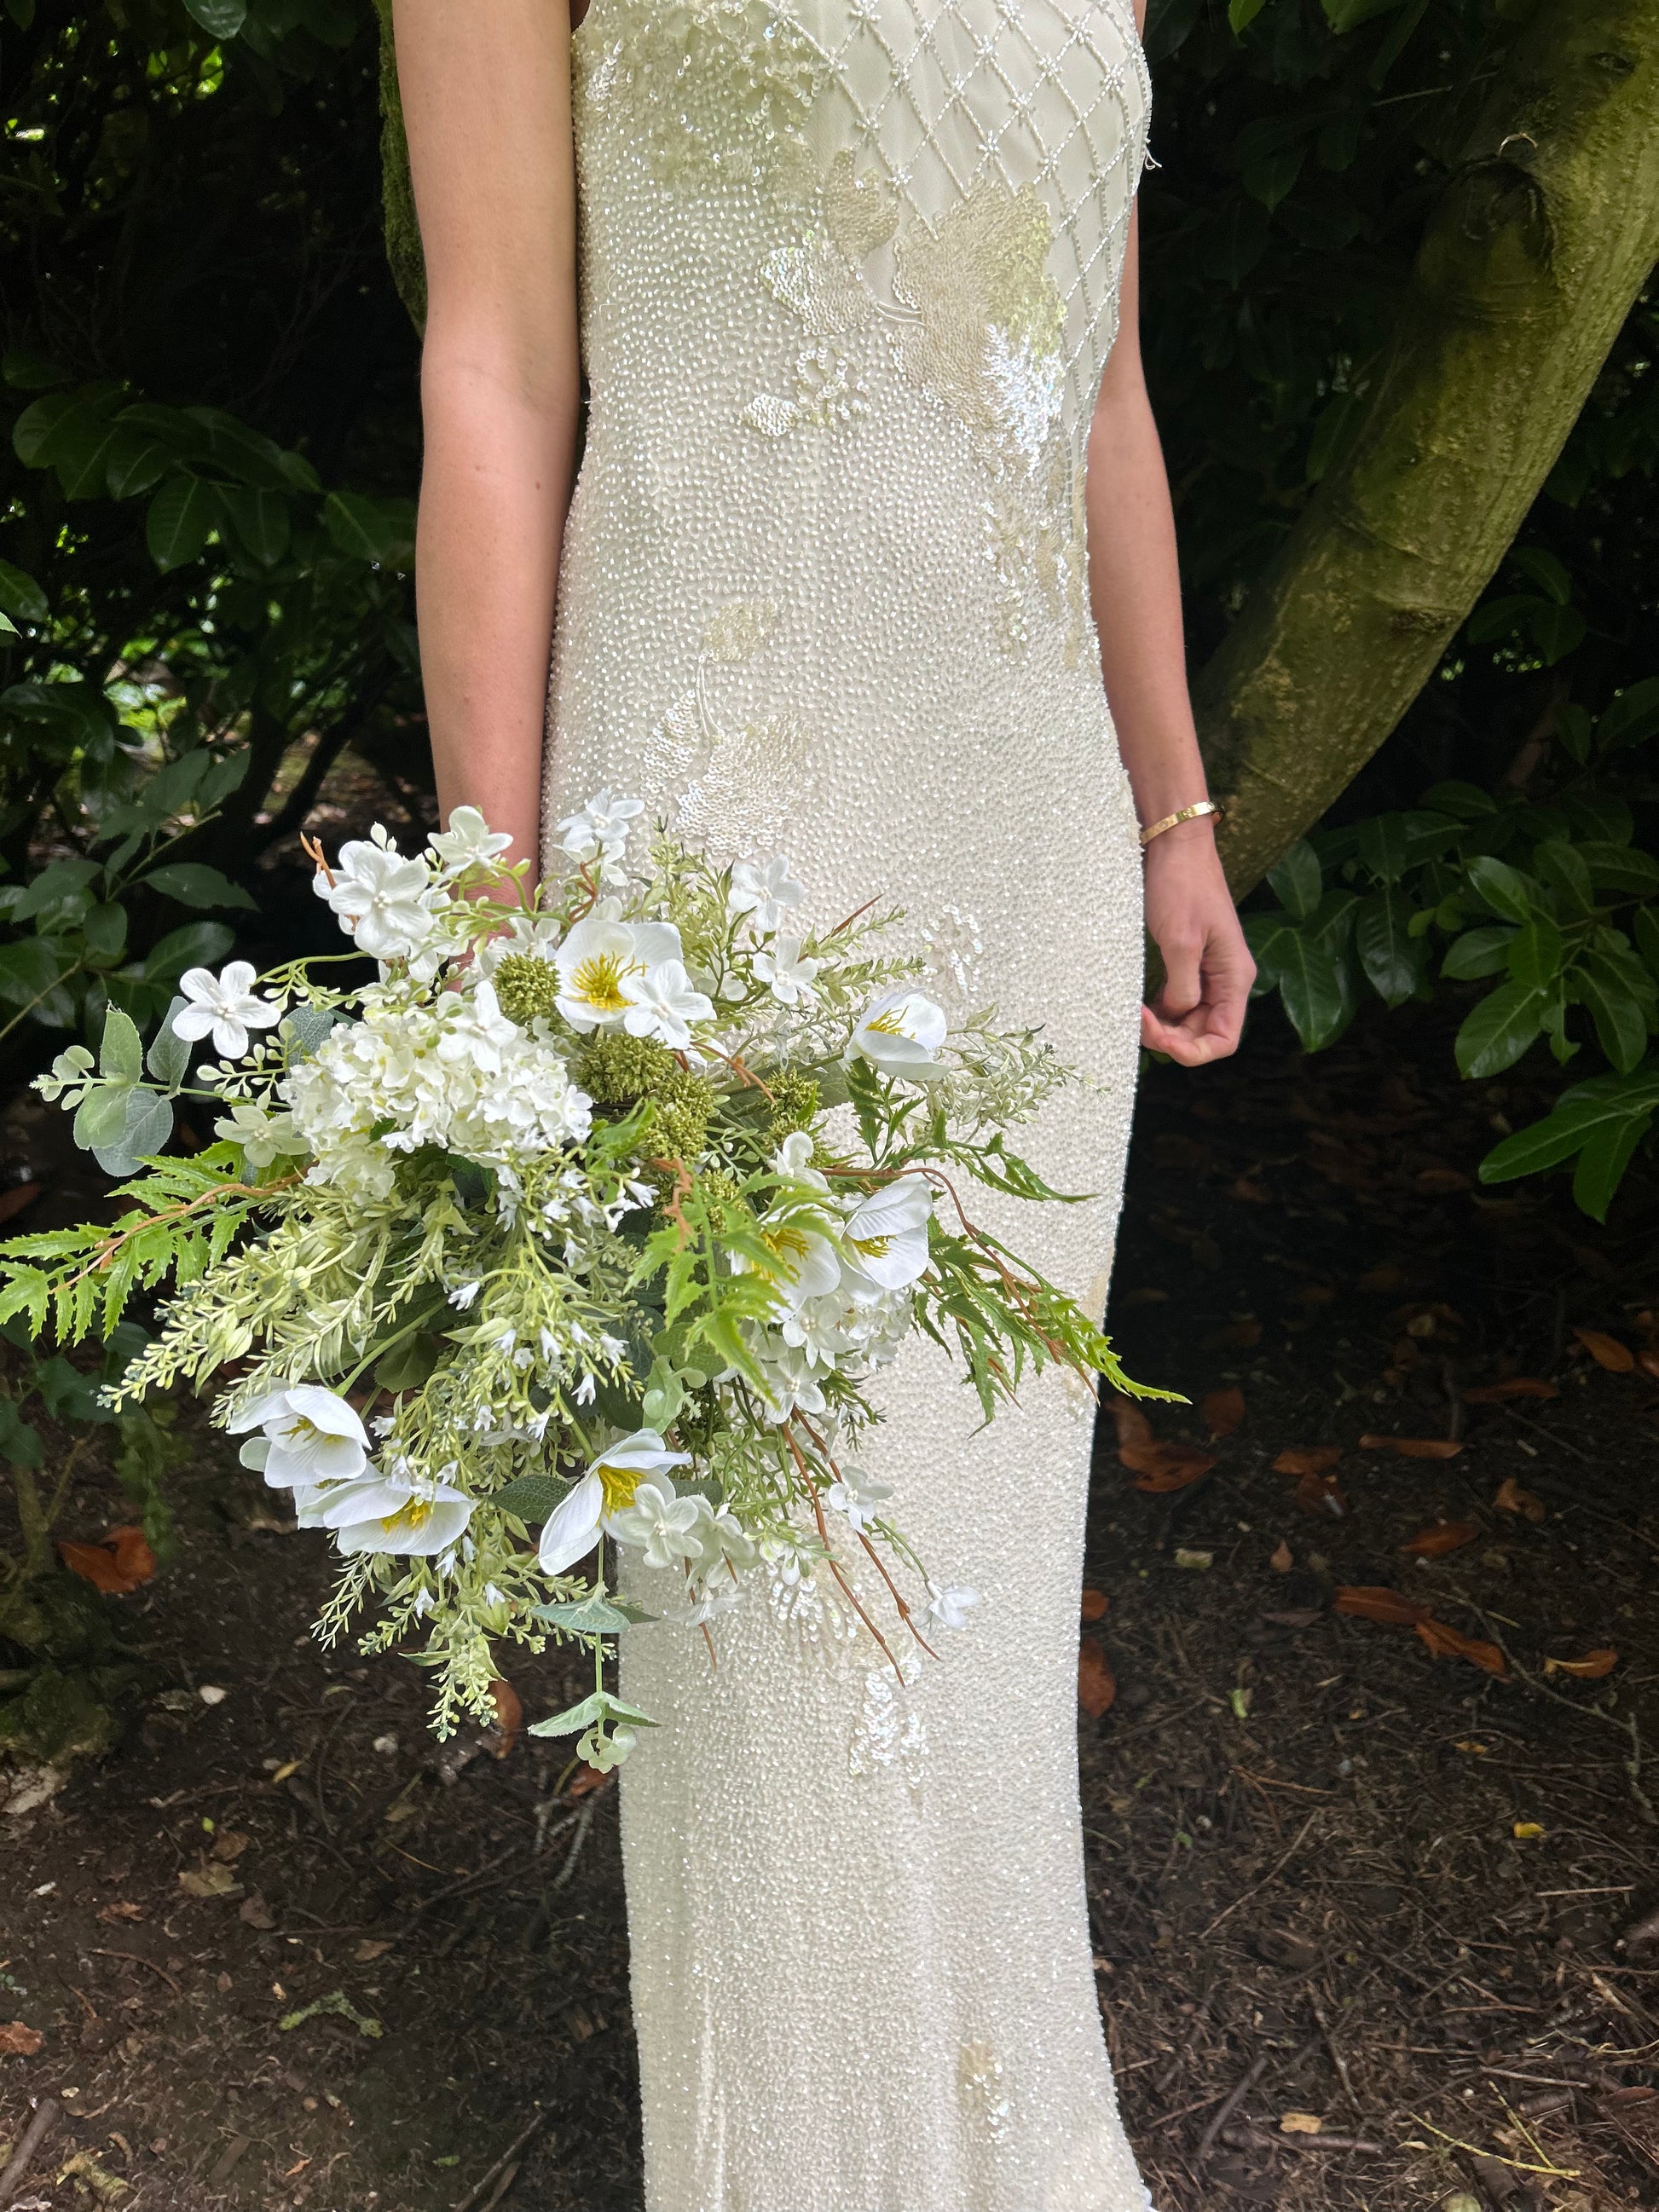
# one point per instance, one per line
(281, 1950)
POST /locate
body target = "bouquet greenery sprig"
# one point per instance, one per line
(592, 1216)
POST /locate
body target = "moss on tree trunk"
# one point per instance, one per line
(1547, 230)
(403, 229)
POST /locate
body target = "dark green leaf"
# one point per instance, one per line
(223, 18)
(105, 928)
(193, 884)
(1621, 868)
(19, 1442)
(182, 516)
(1504, 888)
(261, 521)
(1316, 985)
(1384, 846)
(198, 945)
(1392, 957)
(1633, 718)
(1478, 953)
(1621, 1027)
(21, 597)
(1298, 880)
(1542, 569)
(1562, 866)
(380, 530)
(1500, 1029)
(410, 1363)
(1536, 951)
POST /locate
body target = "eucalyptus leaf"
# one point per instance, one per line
(310, 1025)
(599, 1705)
(168, 1057)
(592, 1616)
(121, 1054)
(529, 1497)
(146, 1126)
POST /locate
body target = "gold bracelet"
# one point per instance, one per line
(1171, 821)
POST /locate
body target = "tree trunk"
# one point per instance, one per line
(403, 230)
(1546, 233)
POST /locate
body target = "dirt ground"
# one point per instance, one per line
(1374, 1904)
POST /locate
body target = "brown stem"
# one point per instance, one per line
(846, 1588)
(107, 1251)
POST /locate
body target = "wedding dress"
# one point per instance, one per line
(849, 274)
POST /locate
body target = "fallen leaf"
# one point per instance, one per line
(1250, 1190)
(229, 1846)
(1304, 1617)
(1162, 1467)
(1513, 1386)
(1434, 1182)
(210, 1879)
(1364, 1602)
(1607, 1350)
(1648, 1361)
(1242, 1334)
(18, 2040)
(1222, 1411)
(1467, 1743)
(1590, 1669)
(1097, 1687)
(1318, 1493)
(14, 1199)
(1094, 1605)
(119, 1565)
(1308, 1459)
(1132, 1425)
(1304, 2123)
(585, 1781)
(509, 1714)
(1512, 1499)
(1387, 1277)
(255, 1912)
(371, 1948)
(120, 1910)
(1413, 1447)
(1282, 1560)
(1197, 1560)
(1444, 1643)
(1528, 1831)
(1443, 1536)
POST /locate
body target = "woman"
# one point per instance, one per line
(850, 272)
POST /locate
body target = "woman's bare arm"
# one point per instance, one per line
(486, 94)
(1135, 590)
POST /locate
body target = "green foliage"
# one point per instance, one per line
(1545, 893)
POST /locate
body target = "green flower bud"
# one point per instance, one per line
(525, 987)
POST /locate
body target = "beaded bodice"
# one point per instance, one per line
(848, 206)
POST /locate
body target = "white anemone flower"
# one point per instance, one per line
(381, 897)
(599, 955)
(859, 1496)
(766, 890)
(803, 1263)
(663, 1004)
(900, 1033)
(793, 1158)
(789, 976)
(950, 1608)
(225, 1004)
(887, 1232)
(398, 1515)
(596, 836)
(468, 842)
(662, 1523)
(311, 1436)
(613, 1476)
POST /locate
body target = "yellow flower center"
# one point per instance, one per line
(790, 1247)
(598, 981)
(618, 1485)
(873, 1248)
(409, 1520)
(889, 1024)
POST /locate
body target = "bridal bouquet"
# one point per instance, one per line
(591, 1216)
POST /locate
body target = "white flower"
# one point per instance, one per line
(400, 1516)
(788, 974)
(226, 1004)
(900, 1033)
(598, 956)
(793, 1158)
(598, 833)
(603, 1751)
(613, 1476)
(888, 1233)
(765, 890)
(263, 1136)
(858, 1496)
(950, 1608)
(477, 1032)
(663, 1005)
(311, 1436)
(661, 1524)
(468, 842)
(381, 896)
(804, 1262)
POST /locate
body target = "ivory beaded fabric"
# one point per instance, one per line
(849, 275)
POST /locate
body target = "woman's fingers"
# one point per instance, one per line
(1198, 1015)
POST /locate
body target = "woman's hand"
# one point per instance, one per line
(1199, 1010)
